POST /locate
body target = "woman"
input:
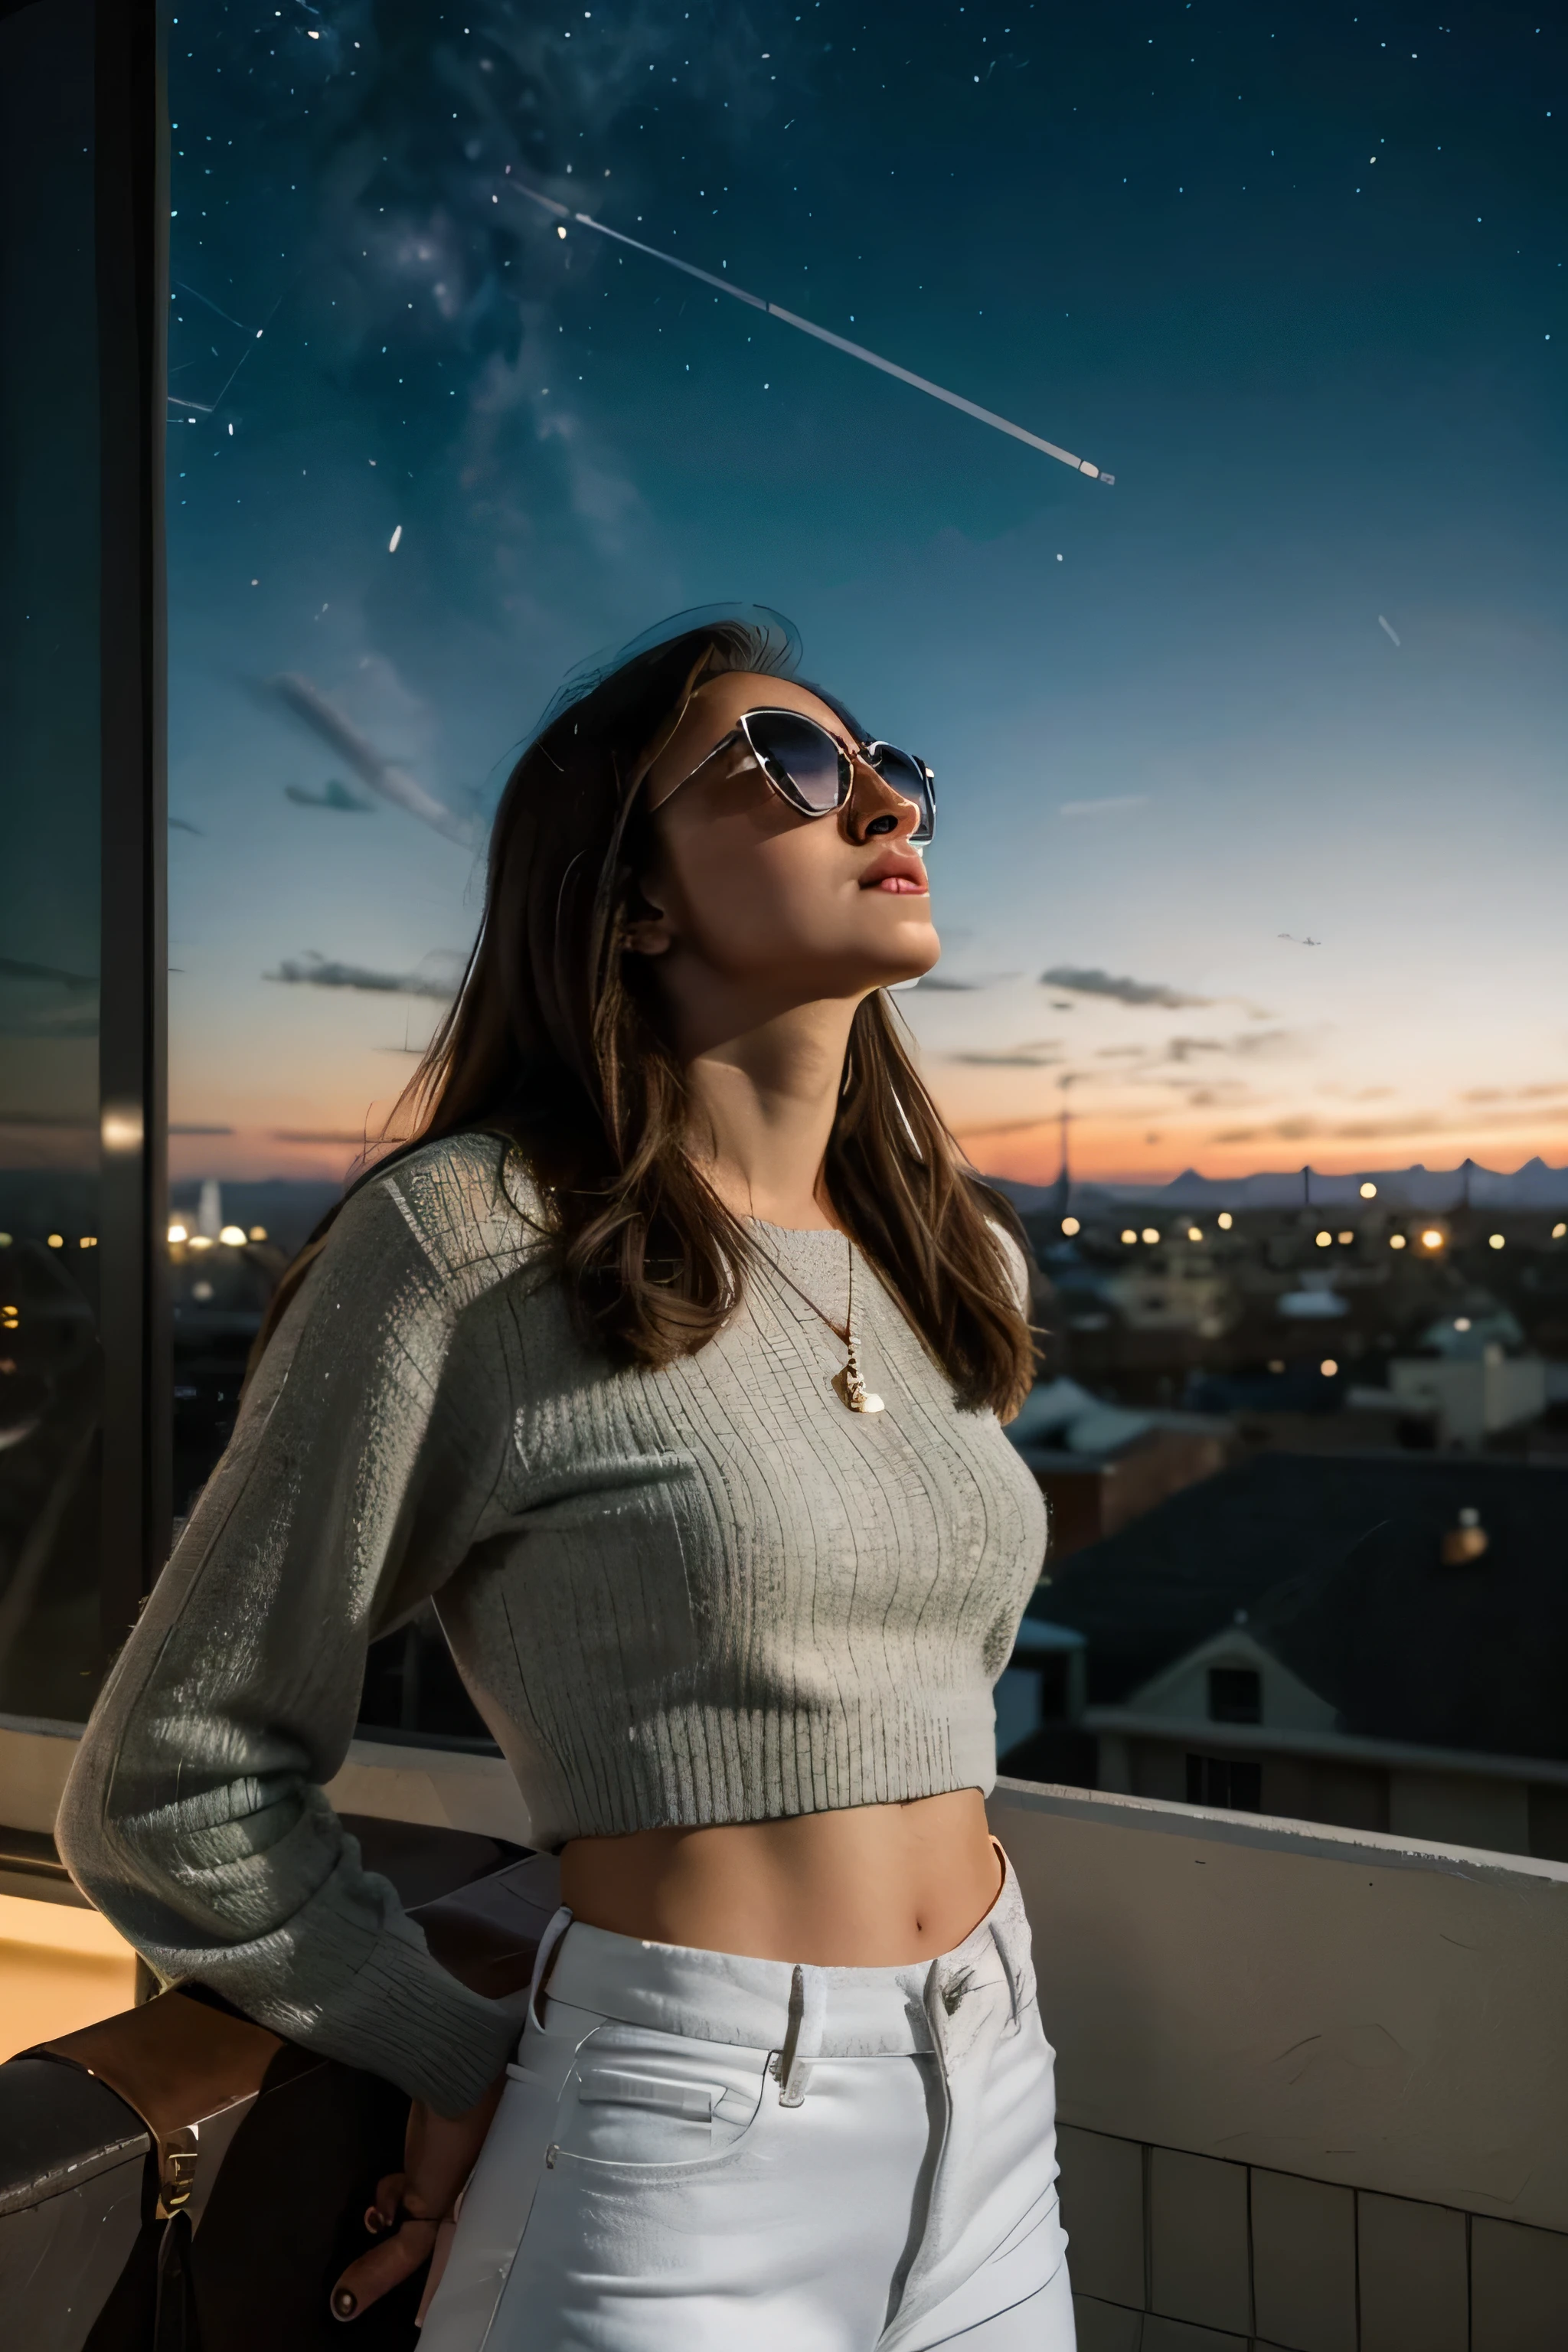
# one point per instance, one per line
(667, 1359)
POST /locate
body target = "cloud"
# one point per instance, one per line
(1355, 1130)
(17, 968)
(324, 972)
(1046, 1119)
(44, 999)
(1511, 1094)
(1090, 981)
(1105, 807)
(1045, 1054)
(1389, 1130)
(316, 1135)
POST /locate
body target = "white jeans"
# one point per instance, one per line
(701, 2153)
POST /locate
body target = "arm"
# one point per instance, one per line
(364, 1458)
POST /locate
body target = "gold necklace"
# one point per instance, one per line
(848, 1386)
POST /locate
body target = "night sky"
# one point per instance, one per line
(1295, 276)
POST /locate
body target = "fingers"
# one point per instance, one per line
(385, 2266)
(382, 2212)
(443, 2154)
(439, 2156)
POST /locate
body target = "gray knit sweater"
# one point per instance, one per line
(706, 1594)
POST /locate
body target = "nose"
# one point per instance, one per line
(874, 810)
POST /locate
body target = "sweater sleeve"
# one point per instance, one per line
(361, 1469)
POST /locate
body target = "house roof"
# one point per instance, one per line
(1336, 1560)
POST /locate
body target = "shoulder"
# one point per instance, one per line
(466, 1203)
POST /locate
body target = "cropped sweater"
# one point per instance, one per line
(698, 1594)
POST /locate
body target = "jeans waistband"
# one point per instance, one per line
(759, 2004)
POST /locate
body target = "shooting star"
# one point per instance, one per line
(1384, 624)
(394, 783)
(806, 327)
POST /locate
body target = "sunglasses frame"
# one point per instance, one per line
(869, 754)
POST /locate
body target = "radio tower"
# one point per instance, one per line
(1061, 1191)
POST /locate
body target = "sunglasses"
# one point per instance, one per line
(811, 770)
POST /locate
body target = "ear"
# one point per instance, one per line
(648, 929)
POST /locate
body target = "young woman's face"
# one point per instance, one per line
(781, 907)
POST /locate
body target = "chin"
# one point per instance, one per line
(921, 951)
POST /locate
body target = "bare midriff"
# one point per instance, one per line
(871, 1886)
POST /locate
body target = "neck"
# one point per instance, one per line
(762, 1107)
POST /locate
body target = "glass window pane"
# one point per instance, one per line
(50, 1365)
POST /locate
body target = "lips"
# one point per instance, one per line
(899, 873)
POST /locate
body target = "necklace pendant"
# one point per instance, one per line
(852, 1392)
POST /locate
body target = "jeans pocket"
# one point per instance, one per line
(635, 2097)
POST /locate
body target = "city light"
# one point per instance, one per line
(56, 1241)
(1495, 1241)
(1150, 1233)
(201, 1241)
(1431, 1238)
(1557, 1231)
(1070, 1226)
(1347, 1238)
(1194, 1233)
(120, 1126)
(258, 1232)
(1369, 1192)
(1328, 1368)
(1325, 1240)
(1128, 1235)
(233, 1236)
(1396, 1241)
(1276, 1366)
(177, 1233)
(88, 1241)
(5, 1241)
(1224, 1220)
(1461, 1322)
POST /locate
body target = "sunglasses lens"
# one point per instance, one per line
(800, 758)
(907, 776)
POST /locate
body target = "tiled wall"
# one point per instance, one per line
(1172, 2253)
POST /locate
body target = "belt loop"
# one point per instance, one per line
(802, 2034)
(544, 1960)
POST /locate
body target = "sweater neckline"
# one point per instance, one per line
(800, 1232)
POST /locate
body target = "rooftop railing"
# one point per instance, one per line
(1310, 2085)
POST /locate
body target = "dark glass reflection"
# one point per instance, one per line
(49, 1367)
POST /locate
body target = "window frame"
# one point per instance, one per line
(132, 267)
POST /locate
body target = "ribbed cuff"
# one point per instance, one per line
(368, 1993)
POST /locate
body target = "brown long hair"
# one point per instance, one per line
(555, 1040)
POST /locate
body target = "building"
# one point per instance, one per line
(1102, 1465)
(1378, 1640)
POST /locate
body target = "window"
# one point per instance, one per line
(1235, 1695)
(1230, 1782)
(83, 1447)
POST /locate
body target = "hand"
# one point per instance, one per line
(439, 2152)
